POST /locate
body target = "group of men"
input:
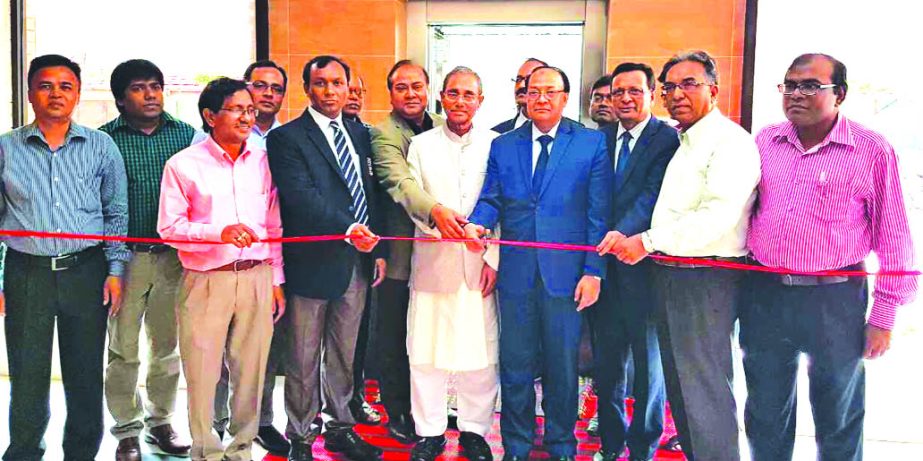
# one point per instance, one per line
(816, 193)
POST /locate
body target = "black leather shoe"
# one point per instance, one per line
(363, 412)
(300, 451)
(272, 441)
(428, 448)
(474, 447)
(129, 449)
(347, 442)
(592, 427)
(167, 440)
(604, 455)
(401, 427)
(453, 418)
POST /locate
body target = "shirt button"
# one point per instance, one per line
(57, 204)
(55, 179)
(58, 230)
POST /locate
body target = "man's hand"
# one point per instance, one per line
(474, 232)
(448, 221)
(112, 294)
(278, 303)
(630, 250)
(381, 266)
(609, 242)
(363, 238)
(2, 304)
(877, 342)
(488, 280)
(587, 292)
(239, 235)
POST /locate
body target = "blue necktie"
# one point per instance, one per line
(345, 160)
(622, 162)
(542, 163)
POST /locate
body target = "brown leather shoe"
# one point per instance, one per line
(167, 440)
(129, 450)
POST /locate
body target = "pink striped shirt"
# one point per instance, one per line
(203, 191)
(830, 206)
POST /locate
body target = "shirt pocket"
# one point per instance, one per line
(832, 200)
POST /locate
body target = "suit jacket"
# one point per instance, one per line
(315, 200)
(390, 140)
(506, 126)
(572, 206)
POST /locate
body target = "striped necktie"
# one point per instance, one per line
(348, 168)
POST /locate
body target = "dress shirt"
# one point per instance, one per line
(145, 155)
(537, 146)
(708, 192)
(519, 120)
(257, 138)
(79, 188)
(635, 134)
(830, 206)
(204, 191)
(324, 123)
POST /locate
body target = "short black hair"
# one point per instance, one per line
(214, 94)
(266, 63)
(559, 71)
(605, 80)
(838, 77)
(402, 63)
(699, 56)
(133, 69)
(636, 66)
(51, 60)
(535, 60)
(321, 62)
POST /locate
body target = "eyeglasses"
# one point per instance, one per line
(688, 85)
(633, 92)
(238, 111)
(519, 78)
(453, 95)
(263, 86)
(550, 94)
(805, 88)
(357, 91)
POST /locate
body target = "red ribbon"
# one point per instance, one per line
(515, 243)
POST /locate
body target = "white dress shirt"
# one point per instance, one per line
(537, 146)
(708, 192)
(258, 139)
(635, 134)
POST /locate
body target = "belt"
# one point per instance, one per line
(239, 265)
(794, 280)
(59, 263)
(153, 248)
(696, 266)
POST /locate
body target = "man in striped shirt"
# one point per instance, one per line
(829, 195)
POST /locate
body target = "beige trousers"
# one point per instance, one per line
(225, 313)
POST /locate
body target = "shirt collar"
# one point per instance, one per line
(464, 140)
(700, 129)
(219, 153)
(73, 131)
(120, 122)
(839, 134)
(323, 121)
(275, 124)
(636, 131)
(553, 132)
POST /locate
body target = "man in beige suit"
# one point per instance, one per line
(453, 328)
(407, 84)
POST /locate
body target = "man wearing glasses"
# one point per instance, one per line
(266, 82)
(830, 194)
(221, 190)
(703, 211)
(519, 92)
(546, 181)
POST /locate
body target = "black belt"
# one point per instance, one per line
(794, 280)
(59, 263)
(684, 265)
(153, 248)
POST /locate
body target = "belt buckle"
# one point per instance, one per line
(236, 263)
(54, 263)
(787, 279)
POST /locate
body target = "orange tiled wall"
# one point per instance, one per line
(651, 31)
(370, 35)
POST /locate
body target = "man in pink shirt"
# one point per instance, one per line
(829, 195)
(221, 190)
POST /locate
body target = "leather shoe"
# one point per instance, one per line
(428, 448)
(347, 442)
(605, 455)
(272, 441)
(474, 447)
(452, 415)
(167, 440)
(129, 450)
(401, 427)
(300, 451)
(363, 412)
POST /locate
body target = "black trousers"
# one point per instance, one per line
(362, 344)
(391, 335)
(37, 298)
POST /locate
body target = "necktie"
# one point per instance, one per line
(348, 169)
(542, 163)
(624, 153)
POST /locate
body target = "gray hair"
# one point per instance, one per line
(462, 70)
(699, 56)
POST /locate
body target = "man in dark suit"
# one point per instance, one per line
(547, 181)
(320, 163)
(640, 147)
(519, 92)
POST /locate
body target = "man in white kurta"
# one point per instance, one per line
(452, 326)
